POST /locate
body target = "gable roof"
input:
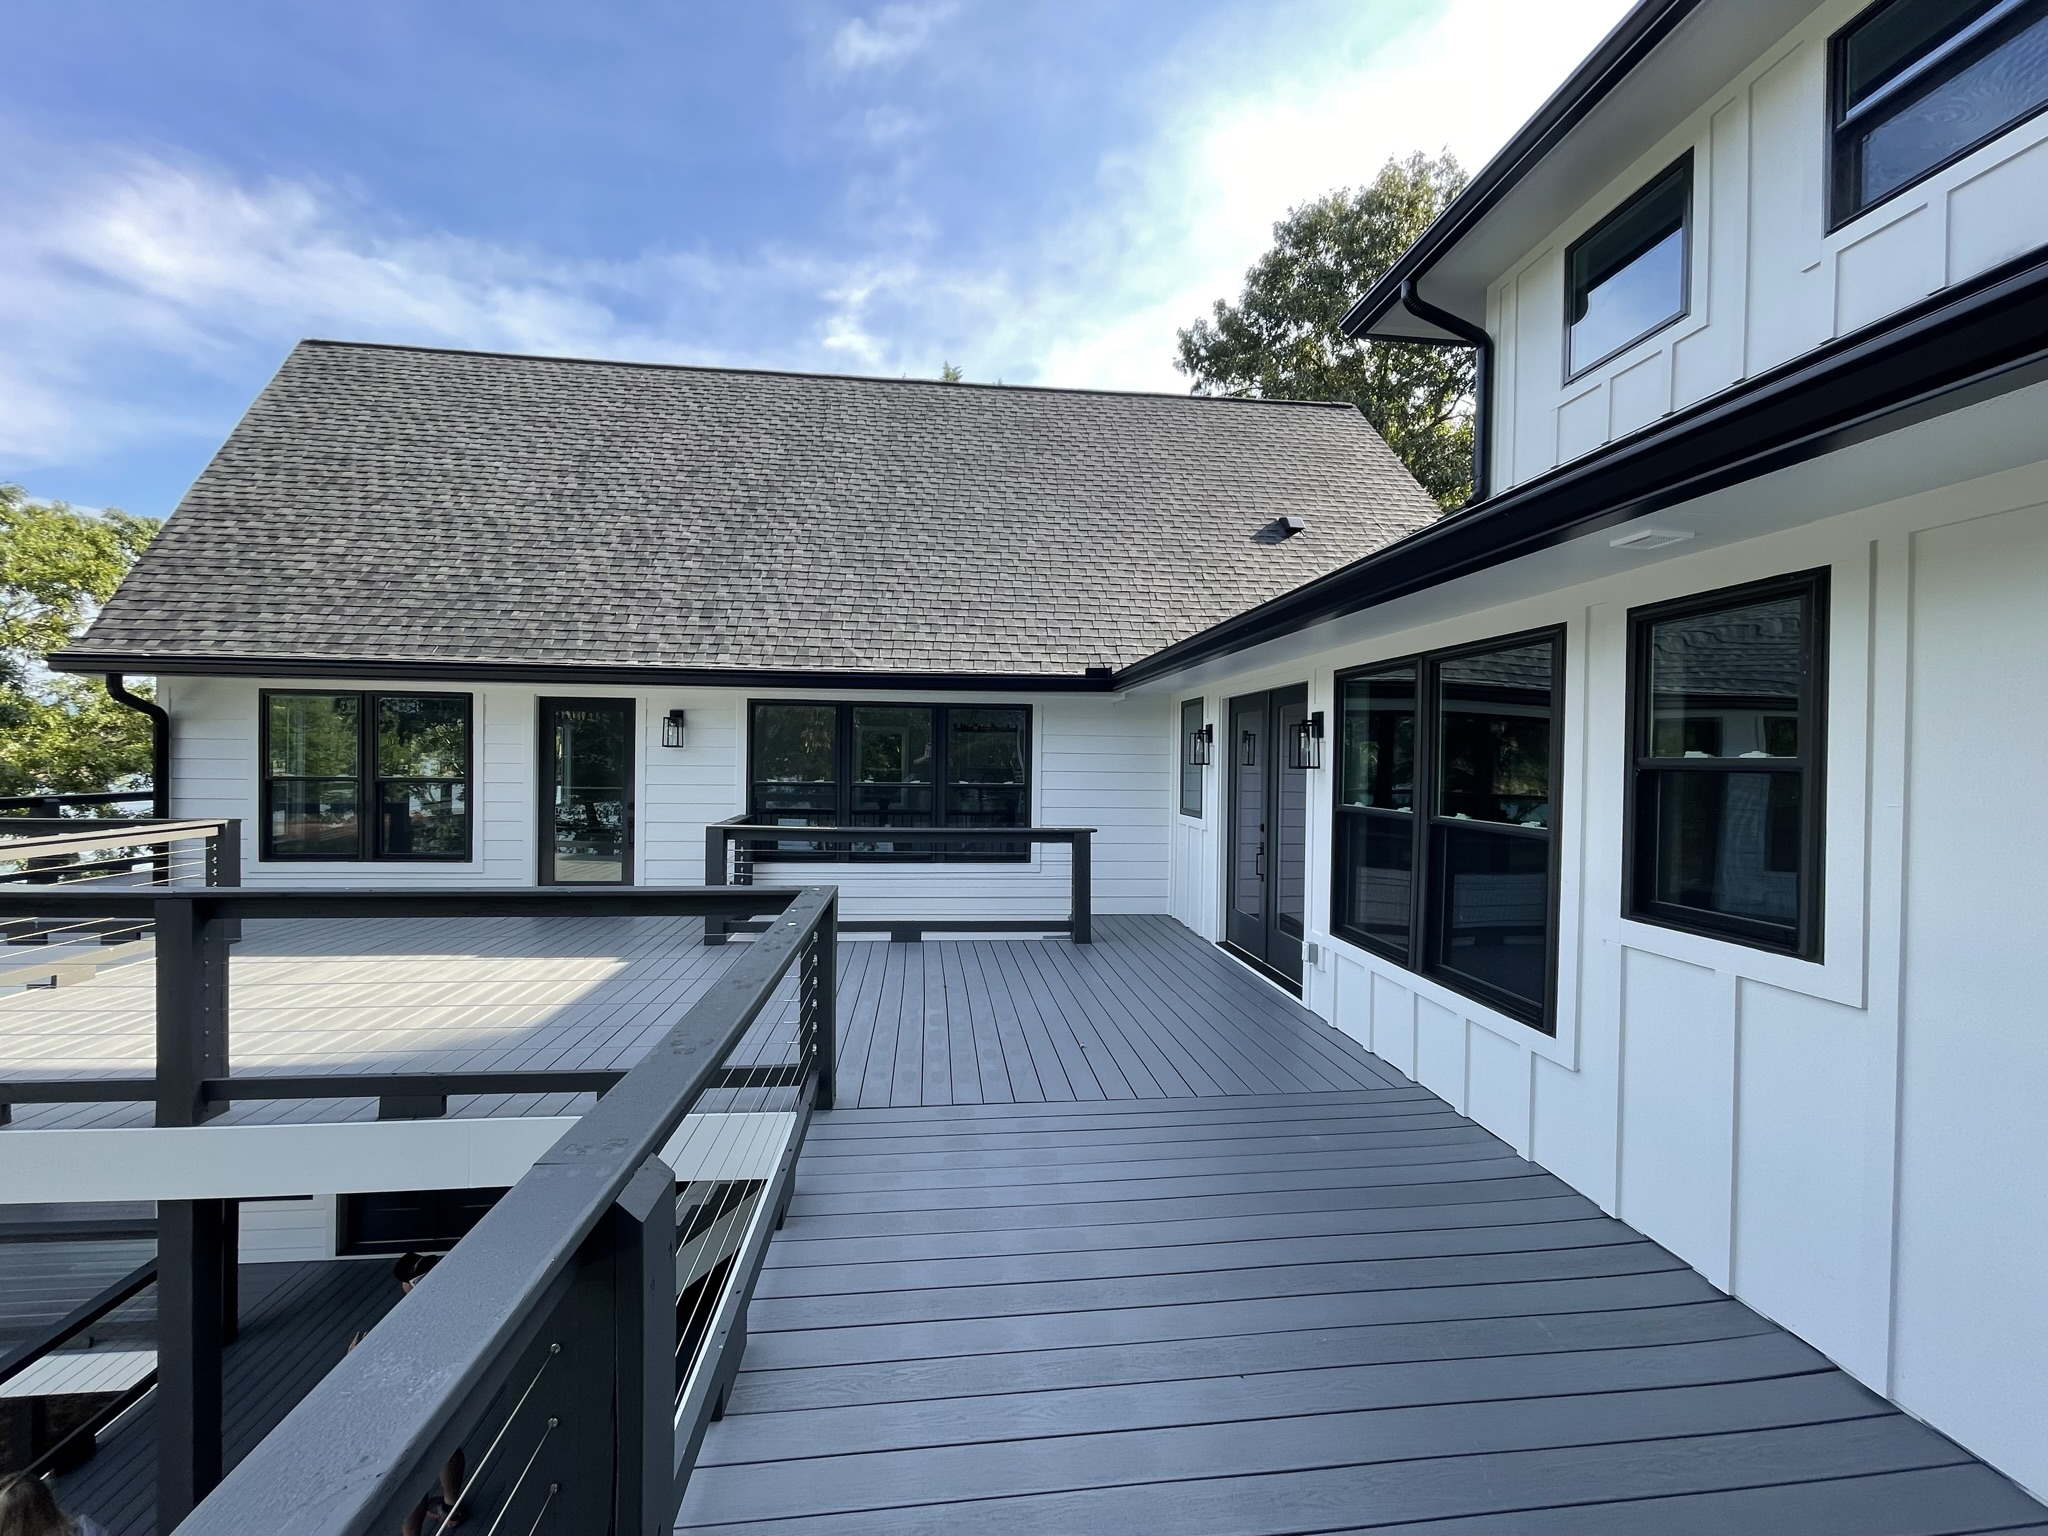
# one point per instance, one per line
(383, 509)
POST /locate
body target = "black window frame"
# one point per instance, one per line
(368, 806)
(1682, 166)
(1425, 899)
(842, 749)
(1844, 140)
(1637, 875)
(1191, 772)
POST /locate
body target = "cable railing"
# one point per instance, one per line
(735, 847)
(561, 1364)
(45, 948)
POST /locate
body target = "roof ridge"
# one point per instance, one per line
(801, 373)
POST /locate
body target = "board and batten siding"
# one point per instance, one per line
(1098, 761)
(1769, 282)
(1858, 1148)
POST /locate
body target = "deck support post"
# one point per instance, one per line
(191, 1305)
(644, 1312)
(1082, 917)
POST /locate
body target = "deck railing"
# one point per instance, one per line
(40, 946)
(733, 848)
(547, 1344)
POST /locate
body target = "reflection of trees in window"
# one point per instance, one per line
(326, 755)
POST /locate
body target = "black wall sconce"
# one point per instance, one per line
(672, 728)
(1305, 743)
(1201, 746)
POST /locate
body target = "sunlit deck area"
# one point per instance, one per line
(1115, 1237)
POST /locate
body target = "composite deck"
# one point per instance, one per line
(1189, 1261)
(1114, 1238)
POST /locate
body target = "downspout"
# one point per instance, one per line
(1482, 379)
(159, 743)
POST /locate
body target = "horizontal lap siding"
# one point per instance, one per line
(1098, 762)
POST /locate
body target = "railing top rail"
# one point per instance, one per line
(461, 901)
(130, 834)
(912, 834)
(96, 797)
(342, 1457)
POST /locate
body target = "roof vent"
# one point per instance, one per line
(1650, 538)
(1289, 526)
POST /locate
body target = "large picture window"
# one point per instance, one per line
(889, 765)
(1914, 85)
(1445, 852)
(365, 775)
(1725, 788)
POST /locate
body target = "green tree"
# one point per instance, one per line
(951, 373)
(61, 734)
(1280, 339)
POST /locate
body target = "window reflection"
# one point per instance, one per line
(1727, 684)
(1494, 737)
(1378, 769)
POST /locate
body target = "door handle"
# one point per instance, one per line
(1259, 863)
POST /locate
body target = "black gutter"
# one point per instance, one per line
(159, 742)
(1482, 380)
(1971, 343)
(383, 669)
(1631, 41)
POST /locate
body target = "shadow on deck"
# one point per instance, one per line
(1122, 1239)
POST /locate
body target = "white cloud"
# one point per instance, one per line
(896, 32)
(194, 271)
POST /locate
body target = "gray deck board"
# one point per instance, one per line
(1211, 1268)
(1112, 1238)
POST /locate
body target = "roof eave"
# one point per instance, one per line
(1974, 342)
(1633, 37)
(601, 674)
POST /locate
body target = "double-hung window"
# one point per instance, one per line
(889, 766)
(365, 775)
(1724, 804)
(1914, 85)
(1445, 855)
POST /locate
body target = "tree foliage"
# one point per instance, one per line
(1280, 339)
(61, 734)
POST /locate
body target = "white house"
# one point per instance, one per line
(1646, 808)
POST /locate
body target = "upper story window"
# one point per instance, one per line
(1916, 84)
(1725, 793)
(1627, 276)
(889, 765)
(1445, 857)
(365, 775)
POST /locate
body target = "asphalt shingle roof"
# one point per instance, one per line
(397, 504)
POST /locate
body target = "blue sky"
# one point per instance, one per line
(1039, 190)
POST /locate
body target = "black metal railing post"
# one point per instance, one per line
(714, 874)
(819, 991)
(644, 1309)
(1081, 919)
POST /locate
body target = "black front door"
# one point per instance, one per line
(1268, 831)
(586, 791)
